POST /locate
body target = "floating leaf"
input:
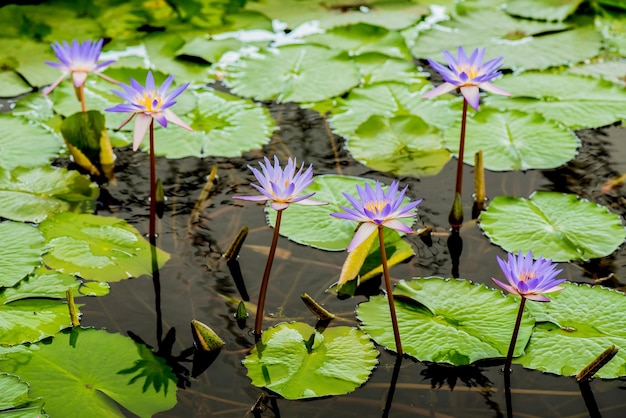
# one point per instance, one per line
(411, 147)
(293, 73)
(514, 140)
(379, 68)
(27, 57)
(446, 321)
(42, 283)
(210, 50)
(313, 225)
(25, 144)
(12, 85)
(21, 247)
(162, 47)
(576, 102)
(97, 247)
(15, 402)
(524, 44)
(224, 125)
(553, 225)
(614, 71)
(543, 9)
(36, 194)
(585, 321)
(298, 362)
(64, 374)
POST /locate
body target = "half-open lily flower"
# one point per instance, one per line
(469, 74)
(282, 187)
(528, 278)
(78, 60)
(148, 103)
(375, 208)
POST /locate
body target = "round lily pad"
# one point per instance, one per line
(298, 362)
(558, 226)
(543, 9)
(446, 321)
(97, 247)
(21, 247)
(35, 194)
(514, 140)
(583, 322)
(313, 225)
(87, 372)
(293, 73)
(26, 144)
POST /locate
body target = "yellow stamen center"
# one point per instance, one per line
(527, 275)
(375, 206)
(152, 102)
(470, 70)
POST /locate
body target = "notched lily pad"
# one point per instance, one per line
(584, 321)
(21, 247)
(26, 144)
(97, 247)
(553, 225)
(298, 362)
(446, 321)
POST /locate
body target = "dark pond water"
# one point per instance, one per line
(196, 281)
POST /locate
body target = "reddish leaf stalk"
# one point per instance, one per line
(152, 233)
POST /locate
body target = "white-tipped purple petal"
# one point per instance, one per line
(494, 89)
(398, 226)
(362, 233)
(142, 123)
(439, 90)
(471, 95)
(169, 115)
(279, 205)
(256, 198)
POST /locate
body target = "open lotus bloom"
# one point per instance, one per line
(528, 278)
(374, 207)
(468, 74)
(148, 104)
(282, 187)
(78, 60)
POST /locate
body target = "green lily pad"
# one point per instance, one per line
(524, 44)
(389, 99)
(34, 195)
(447, 321)
(585, 321)
(361, 39)
(12, 85)
(614, 71)
(210, 50)
(224, 125)
(21, 247)
(298, 362)
(15, 401)
(514, 140)
(313, 225)
(162, 48)
(576, 102)
(543, 9)
(27, 57)
(38, 110)
(553, 225)
(379, 68)
(97, 247)
(293, 73)
(26, 144)
(412, 147)
(388, 14)
(64, 374)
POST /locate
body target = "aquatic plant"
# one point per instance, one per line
(281, 187)
(469, 74)
(376, 209)
(147, 104)
(530, 280)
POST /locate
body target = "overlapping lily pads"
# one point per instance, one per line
(98, 248)
(299, 362)
(524, 44)
(553, 225)
(21, 248)
(293, 73)
(313, 225)
(580, 323)
(64, 374)
(15, 402)
(446, 321)
(514, 140)
(26, 144)
(543, 9)
(35, 194)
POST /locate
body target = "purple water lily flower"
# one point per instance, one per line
(78, 60)
(528, 278)
(148, 104)
(282, 187)
(375, 208)
(469, 74)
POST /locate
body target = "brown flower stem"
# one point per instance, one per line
(258, 322)
(392, 307)
(459, 164)
(81, 93)
(518, 322)
(152, 233)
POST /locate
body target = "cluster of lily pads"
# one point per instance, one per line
(562, 70)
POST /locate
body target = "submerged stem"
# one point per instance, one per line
(152, 233)
(258, 323)
(518, 322)
(392, 307)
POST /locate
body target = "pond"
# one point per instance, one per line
(200, 222)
